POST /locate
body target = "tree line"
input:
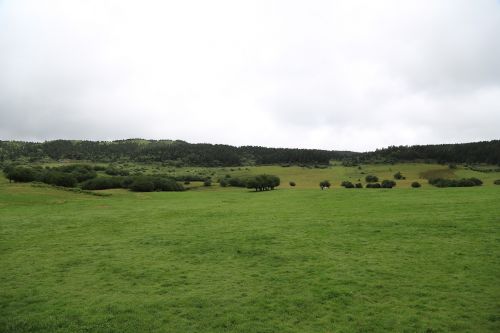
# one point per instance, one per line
(474, 152)
(181, 153)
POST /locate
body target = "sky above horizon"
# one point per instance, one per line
(338, 75)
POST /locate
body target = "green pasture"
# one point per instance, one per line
(232, 260)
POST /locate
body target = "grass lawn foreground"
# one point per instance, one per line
(231, 260)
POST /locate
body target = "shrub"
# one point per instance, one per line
(59, 178)
(415, 184)
(142, 185)
(398, 175)
(292, 184)
(162, 184)
(347, 184)
(373, 185)
(223, 182)
(190, 178)
(81, 172)
(497, 182)
(207, 182)
(358, 185)
(20, 174)
(187, 182)
(104, 183)
(112, 171)
(371, 179)
(388, 183)
(263, 182)
(237, 182)
(476, 181)
(324, 184)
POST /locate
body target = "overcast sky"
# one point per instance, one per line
(342, 75)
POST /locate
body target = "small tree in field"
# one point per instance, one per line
(415, 184)
(398, 175)
(292, 184)
(324, 184)
(371, 179)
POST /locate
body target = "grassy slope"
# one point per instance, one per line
(237, 261)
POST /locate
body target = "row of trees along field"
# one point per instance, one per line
(183, 153)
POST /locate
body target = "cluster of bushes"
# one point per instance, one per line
(136, 184)
(104, 183)
(85, 176)
(112, 171)
(263, 182)
(348, 184)
(66, 176)
(464, 182)
(259, 183)
(191, 178)
(385, 184)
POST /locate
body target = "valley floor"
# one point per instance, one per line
(231, 260)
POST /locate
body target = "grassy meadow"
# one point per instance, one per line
(215, 259)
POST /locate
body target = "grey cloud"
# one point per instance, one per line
(355, 74)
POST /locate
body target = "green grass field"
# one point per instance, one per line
(232, 260)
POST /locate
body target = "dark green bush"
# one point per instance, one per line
(398, 175)
(104, 183)
(415, 184)
(237, 182)
(464, 182)
(347, 184)
(358, 185)
(371, 179)
(142, 185)
(497, 182)
(58, 178)
(324, 184)
(263, 182)
(373, 185)
(190, 178)
(207, 182)
(20, 174)
(292, 184)
(112, 171)
(388, 183)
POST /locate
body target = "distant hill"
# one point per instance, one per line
(203, 154)
(474, 152)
